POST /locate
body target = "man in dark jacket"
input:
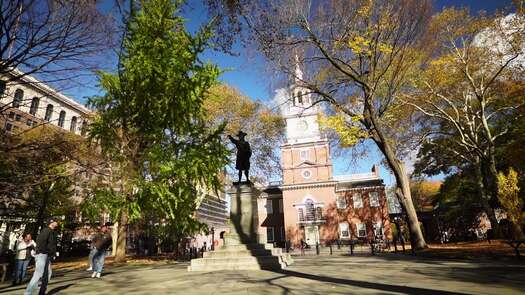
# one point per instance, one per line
(46, 250)
(102, 245)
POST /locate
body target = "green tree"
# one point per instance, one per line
(151, 122)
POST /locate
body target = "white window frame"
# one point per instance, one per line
(344, 226)
(269, 206)
(305, 156)
(378, 225)
(357, 200)
(373, 197)
(281, 209)
(339, 202)
(270, 238)
(361, 227)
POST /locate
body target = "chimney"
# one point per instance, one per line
(375, 170)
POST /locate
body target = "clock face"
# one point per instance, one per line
(302, 126)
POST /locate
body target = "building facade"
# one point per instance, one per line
(317, 206)
(28, 102)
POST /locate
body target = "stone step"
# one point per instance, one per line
(237, 260)
(247, 246)
(241, 253)
(235, 266)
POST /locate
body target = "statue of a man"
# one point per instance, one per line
(244, 152)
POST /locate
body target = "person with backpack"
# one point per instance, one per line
(46, 251)
(23, 249)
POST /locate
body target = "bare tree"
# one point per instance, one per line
(356, 57)
(53, 40)
(472, 88)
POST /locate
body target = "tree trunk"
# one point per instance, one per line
(398, 168)
(114, 238)
(120, 255)
(485, 198)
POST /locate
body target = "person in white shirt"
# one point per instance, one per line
(23, 249)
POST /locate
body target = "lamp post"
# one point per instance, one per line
(212, 238)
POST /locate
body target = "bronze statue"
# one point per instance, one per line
(244, 152)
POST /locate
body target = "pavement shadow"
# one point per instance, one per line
(58, 289)
(368, 285)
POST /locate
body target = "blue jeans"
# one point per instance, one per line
(40, 264)
(91, 255)
(98, 260)
(20, 270)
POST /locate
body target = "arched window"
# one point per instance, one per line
(300, 97)
(34, 105)
(3, 86)
(83, 129)
(19, 96)
(49, 112)
(61, 119)
(73, 127)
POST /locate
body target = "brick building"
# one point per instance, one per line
(312, 204)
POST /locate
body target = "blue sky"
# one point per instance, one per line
(248, 74)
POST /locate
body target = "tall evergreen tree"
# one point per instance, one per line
(150, 122)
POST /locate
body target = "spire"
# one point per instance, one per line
(298, 72)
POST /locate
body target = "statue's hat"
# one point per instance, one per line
(240, 133)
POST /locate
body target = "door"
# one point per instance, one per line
(311, 233)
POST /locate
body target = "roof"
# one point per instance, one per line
(52, 92)
(358, 177)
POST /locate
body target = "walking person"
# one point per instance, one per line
(101, 245)
(23, 249)
(93, 250)
(46, 250)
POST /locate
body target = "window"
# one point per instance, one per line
(49, 112)
(318, 213)
(307, 174)
(300, 97)
(374, 199)
(11, 115)
(361, 230)
(29, 122)
(300, 212)
(304, 155)
(61, 119)
(73, 127)
(358, 201)
(3, 86)
(269, 235)
(378, 229)
(84, 128)
(310, 210)
(344, 231)
(34, 105)
(281, 206)
(18, 117)
(19, 96)
(341, 202)
(269, 206)
(8, 126)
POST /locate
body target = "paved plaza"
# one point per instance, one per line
(338, 274)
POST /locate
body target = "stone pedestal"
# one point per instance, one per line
(242, 250)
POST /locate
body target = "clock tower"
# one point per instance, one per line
(306, 154)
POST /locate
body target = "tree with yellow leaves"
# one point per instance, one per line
(508, 194)
(356, 57)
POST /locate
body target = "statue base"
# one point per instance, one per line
(242, 250)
